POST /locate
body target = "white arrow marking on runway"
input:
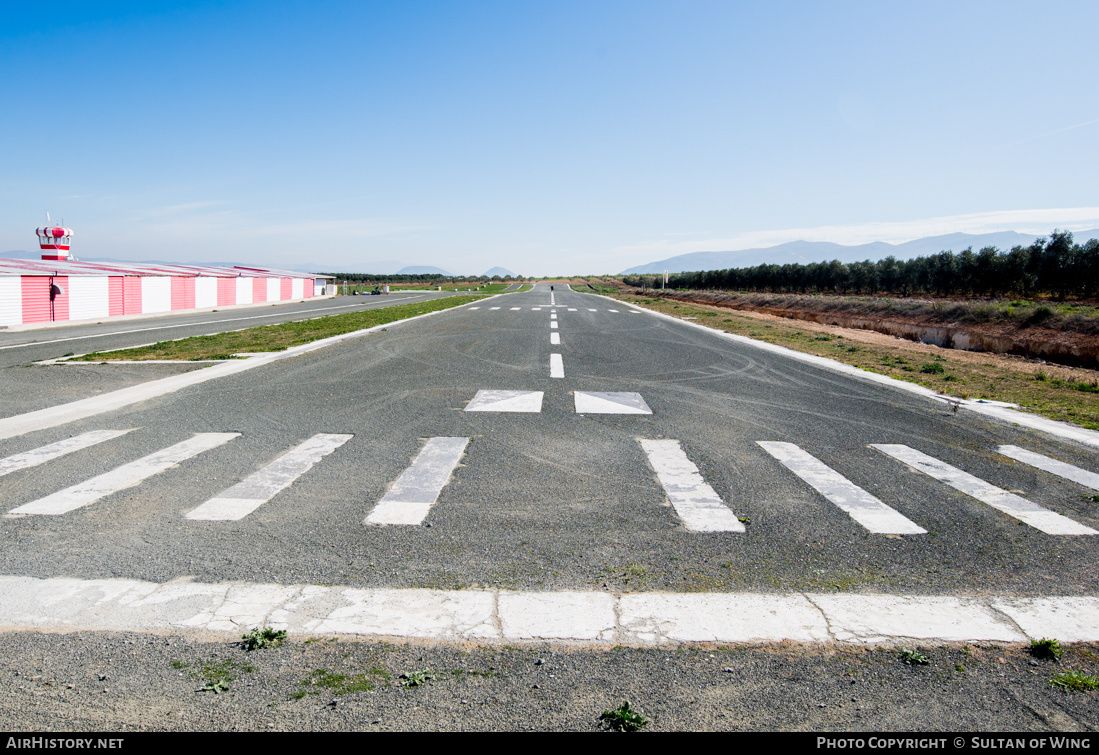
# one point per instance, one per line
(255, 490)
(1059, 468)
(419, 486)
(860, 505)
(47, 453)
(594, 402)
(506, 401)
(126, 476)
(697, 504)
(1025, 511)
(557, 367)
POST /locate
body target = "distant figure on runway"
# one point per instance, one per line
(551, 288)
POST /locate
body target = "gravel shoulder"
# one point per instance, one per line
(95, 681)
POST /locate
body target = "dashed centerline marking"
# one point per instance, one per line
(506, 401)
(41, 455)
(255, 490)
(697, 504)
(557, 367)
(126, 476)
(555, 339)
(1059, 468)
(1025, 511)
(553, 325)
(860, 505)
(416, 490)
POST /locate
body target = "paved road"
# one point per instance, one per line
(399, 481)
(25, 387)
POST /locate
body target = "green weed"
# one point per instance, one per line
(624, 718)
(263, 638)
(1075, 681)
(416, 678)
(1046, 648)
(914, 658)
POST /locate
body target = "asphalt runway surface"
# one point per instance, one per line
(553, 499)
(421, 455)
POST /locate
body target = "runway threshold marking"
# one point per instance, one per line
(555, 339)
(557, 366)
(419, 486)
(506, 401)
(860, 505)
(597, 402)
(126, 476)
(1059, 468)
(41, 455)
(1015, 506)
(257, 489)
(696, 503)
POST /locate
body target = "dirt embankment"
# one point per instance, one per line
(1053, 342)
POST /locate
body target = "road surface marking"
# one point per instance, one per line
(553, 311)
(555, 339)
(492, 308)
(860, 505)
(553, 324)
(1059, 468)
(419, 486)
(535, 309)
(613, 310)
(635, 311)
(557, 367)
(606, 619)
(553, 317)
(506, 401)
(593, 310)
(572, 309)
(697, 504)
(473, 308)
(1014, 506)
(593, 402)
(515, 309)
(255, 490)
(126, 476)
(41, 455)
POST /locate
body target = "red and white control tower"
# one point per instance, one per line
(54, 241)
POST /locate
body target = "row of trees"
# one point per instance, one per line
(434, 279)
(1057, 267)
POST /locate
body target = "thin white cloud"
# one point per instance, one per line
(1038, 222)
(1051, 133)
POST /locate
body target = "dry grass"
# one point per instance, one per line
(1061, 393)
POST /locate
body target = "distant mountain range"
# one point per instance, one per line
(804, 252)
(501, 271)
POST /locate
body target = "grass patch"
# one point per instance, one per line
(217, 675)
(330, 682)
(1046, 648)
(277, 337)
(416, 678)
(1075, 681)
(995, 379)
(624, 718)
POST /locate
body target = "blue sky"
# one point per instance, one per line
(546, 137)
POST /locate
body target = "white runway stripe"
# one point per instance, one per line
(860, 505)
(553, 317)
(557, 366)
(555, 339)
(592, 310)
(1059, 468)
(535, 309)
(553, 325)
(515, 309)
(506, 401)
(599, 402)
(492, 308)
(572, 309)
(613, 310)
(1025, 511)
(473, 308)
(418, 487)
(41, 455)
(126, 476)
(255, 490)
(697, 504)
